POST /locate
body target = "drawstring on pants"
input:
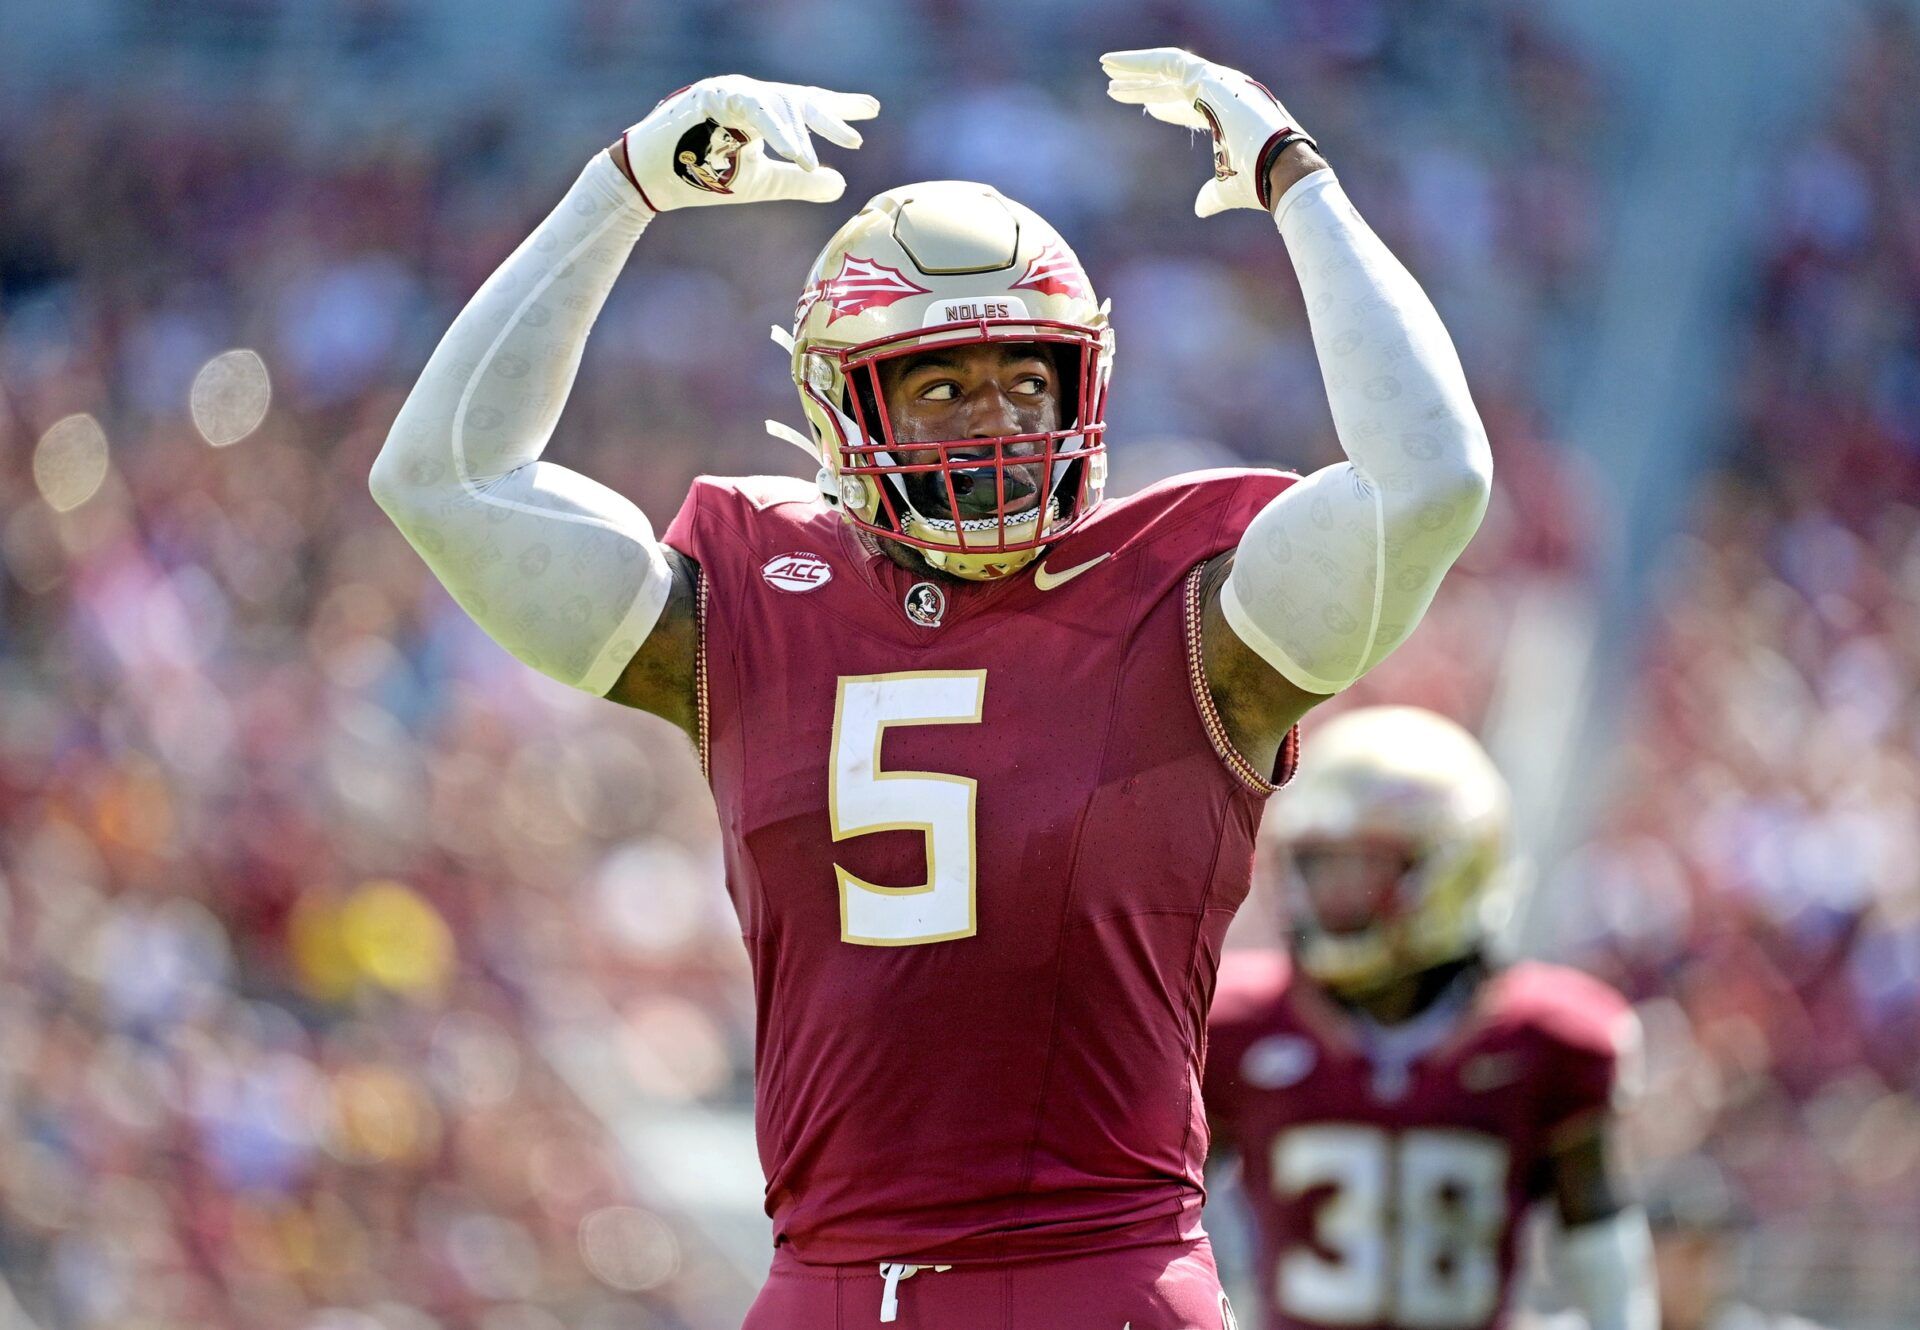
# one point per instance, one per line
(893, 1272)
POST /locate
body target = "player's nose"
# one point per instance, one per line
(991, 413)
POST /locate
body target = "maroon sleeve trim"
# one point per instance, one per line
(624, 160)
(1235, 761)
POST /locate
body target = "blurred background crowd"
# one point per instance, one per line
(355, 977)
(1754, 873)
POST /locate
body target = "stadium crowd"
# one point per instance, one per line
(1755, 881)
(303, 879)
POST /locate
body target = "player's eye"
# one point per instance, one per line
(1031, 384)
(942, 391)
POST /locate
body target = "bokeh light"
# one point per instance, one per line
(381, 1115)
(230, 396)
(673, 1048)
(494, 1256)
(628, 1249)
(70, 462)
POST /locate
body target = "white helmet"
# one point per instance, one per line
(951, 263)
(1420, 789)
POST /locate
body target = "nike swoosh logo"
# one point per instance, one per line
(1047, 581)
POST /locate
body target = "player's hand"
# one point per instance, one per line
(709, 143)
(1249, 125)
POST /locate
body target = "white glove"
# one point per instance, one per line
(1249, 126)
(707, 144)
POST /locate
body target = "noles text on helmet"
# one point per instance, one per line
(953, 362)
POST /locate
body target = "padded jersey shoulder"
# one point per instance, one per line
(763, 492)
(763, 509)
(1562, 1006)
(1215, 505)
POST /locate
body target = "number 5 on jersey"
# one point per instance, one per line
(862, 799)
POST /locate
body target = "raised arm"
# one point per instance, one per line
(560, 570)
(1337, 571)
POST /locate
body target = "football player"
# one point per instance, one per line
(989, 750)
(1398, 1100)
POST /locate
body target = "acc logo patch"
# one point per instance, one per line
(1278, 1061)
(708, 156)
(926, 604)
(797, 572)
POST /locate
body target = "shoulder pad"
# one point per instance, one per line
(1565, 1005)
(765, 491)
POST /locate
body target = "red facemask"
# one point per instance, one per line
(980, 489)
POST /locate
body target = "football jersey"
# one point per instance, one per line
(984, 841)
(1387, 1192)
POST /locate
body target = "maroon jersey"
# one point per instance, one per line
(1387, 1190)
(984, 841)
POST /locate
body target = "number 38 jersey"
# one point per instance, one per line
(984, 841)
(1387, 1195)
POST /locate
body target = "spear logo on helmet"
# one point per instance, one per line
(860, 285)
(1054, 272)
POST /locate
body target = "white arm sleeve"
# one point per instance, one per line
(1606, 1268)
(560, 570)
(1336, 572)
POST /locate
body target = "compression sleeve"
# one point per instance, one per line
(560, 570)
(1335, 573)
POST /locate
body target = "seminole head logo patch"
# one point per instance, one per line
(708, 156)
(926, 604)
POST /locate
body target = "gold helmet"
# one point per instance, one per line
(1394, 842)
(951, 263)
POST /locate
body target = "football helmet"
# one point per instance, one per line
(951, 263)
(1393, 840)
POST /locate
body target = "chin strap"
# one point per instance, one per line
(788, 434)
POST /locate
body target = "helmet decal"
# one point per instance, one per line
(1054, 272)
(860, 285)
